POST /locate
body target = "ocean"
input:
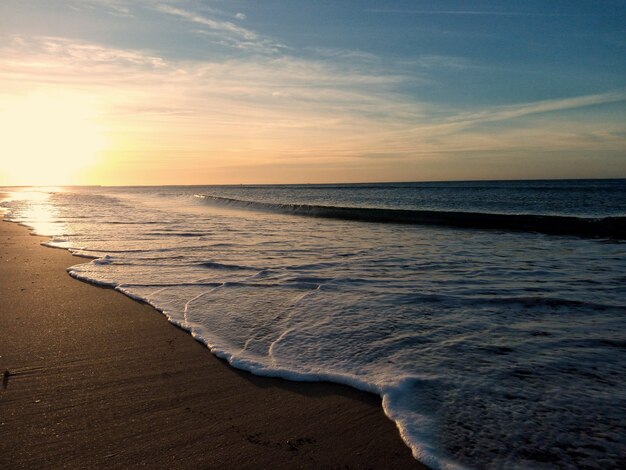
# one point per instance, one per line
(489, 316)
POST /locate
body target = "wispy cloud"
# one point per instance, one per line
(119, 8)
(432, 61)
(50, 59)
(463, 12)
(504, 113)
(546, 106)
(280, 92)
(229, 32)
(224, 26)
(344, 54)
(211, 22)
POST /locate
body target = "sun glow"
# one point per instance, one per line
(48, 138)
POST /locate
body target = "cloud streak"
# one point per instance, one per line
(503, 113)
(117, 8)
(464, 12)
(230, 33)
(222, 26)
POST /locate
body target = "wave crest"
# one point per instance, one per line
(607, 227)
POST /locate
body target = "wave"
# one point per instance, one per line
(605, 227)
(232, 267)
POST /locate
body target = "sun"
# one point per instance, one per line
(48, 138)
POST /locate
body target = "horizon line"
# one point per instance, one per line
(308, 184)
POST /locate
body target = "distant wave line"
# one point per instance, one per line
(605, 227)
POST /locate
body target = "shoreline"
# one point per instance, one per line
(96, 378)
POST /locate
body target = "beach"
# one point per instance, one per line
(96, 379)
(325, 235)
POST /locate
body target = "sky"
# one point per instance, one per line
(147, 92)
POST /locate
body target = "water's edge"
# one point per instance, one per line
(420, 455)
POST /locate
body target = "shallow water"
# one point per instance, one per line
(490, 348)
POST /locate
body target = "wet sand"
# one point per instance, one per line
(99, 380)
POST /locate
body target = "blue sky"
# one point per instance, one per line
(327, 91)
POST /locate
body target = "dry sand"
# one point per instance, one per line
(99, 380)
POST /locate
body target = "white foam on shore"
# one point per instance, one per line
(412, 428)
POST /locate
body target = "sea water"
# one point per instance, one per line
(499, 344)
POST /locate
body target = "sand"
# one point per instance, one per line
(99, 380)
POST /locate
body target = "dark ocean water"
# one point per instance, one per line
(579, 198)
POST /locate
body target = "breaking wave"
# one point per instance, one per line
(605, 227)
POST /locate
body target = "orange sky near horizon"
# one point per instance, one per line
(57, 136)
